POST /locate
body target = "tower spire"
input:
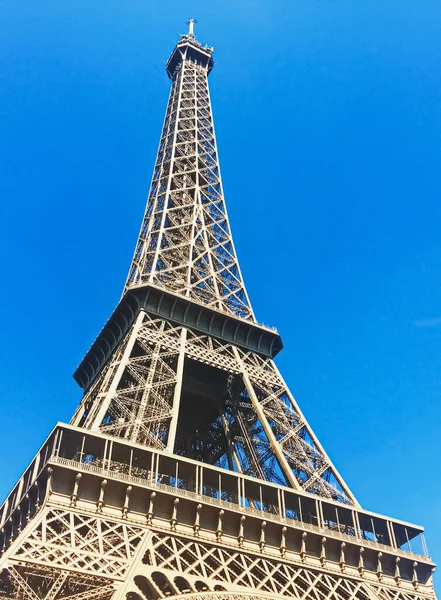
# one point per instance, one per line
(191, 22)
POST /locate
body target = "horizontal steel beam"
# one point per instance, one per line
(179, 310)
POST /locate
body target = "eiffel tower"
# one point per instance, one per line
(188, 469)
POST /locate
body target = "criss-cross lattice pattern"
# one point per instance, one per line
(88, 544)
(170, 559)
(185, 241)
(269, 437)
(141, 407)
(35, 582)
(136, 401)
(255, 427)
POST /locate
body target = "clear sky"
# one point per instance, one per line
(328, 120)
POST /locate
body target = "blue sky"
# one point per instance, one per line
(328, 120)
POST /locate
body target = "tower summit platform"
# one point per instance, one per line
(189, 49)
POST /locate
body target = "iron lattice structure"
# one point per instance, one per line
(188, 468)
(185, 244)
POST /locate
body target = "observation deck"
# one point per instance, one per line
(189, 48)
(180, 310)
(144, 486)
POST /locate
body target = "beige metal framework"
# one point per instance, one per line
(185, 246)
(188, 468)
(263, 430)
(185, 243)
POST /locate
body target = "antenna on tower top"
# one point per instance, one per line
(190, 24)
